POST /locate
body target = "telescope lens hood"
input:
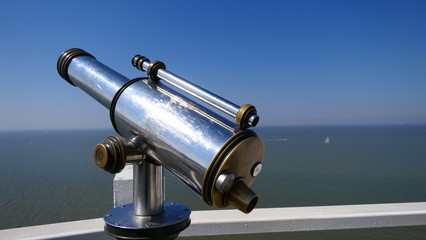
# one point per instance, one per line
(65, 59)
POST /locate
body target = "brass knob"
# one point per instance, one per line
(110, 155)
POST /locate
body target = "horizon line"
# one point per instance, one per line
(259, 126)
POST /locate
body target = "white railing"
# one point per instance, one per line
(267, 220)
(227, 222)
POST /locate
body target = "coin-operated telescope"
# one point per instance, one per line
(216, 157)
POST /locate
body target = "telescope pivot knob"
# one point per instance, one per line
(110, 155)
(113, 153)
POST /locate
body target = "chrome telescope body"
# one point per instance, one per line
(217, 158)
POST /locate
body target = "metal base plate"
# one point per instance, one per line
(122, 223)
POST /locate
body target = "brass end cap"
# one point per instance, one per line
(239, 156)
(110, 155)
(247, 117)
(100, 155)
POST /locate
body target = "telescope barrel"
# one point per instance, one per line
(192, 142)
(90, 75)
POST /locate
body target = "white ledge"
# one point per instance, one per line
(266, 220)
(84, 229)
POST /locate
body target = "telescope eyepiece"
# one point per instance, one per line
(242, 197)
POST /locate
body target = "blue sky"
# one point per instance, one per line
(298, 62)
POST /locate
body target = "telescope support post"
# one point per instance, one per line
(148, 189)
(149, 217)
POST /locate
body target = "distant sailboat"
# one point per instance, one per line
(277, 139)
(327, 140)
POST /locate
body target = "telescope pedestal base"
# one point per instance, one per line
(122, 223)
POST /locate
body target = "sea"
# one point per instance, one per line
(49, 176)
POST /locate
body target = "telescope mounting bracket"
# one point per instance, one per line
(149, 216)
